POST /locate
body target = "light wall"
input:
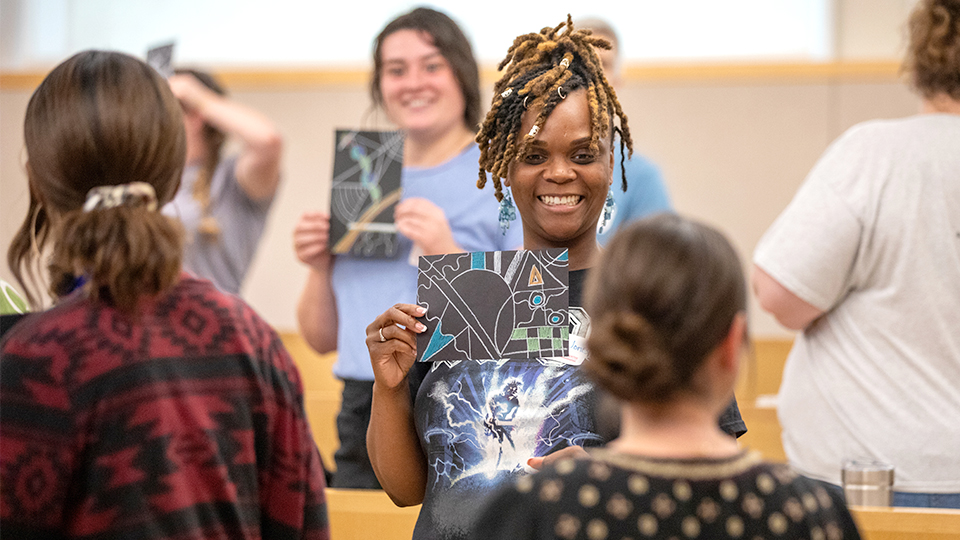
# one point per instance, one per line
(734, 141)
(734, 145)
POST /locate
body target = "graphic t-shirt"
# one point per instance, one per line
(479, 423)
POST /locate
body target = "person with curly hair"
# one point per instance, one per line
(865, 262)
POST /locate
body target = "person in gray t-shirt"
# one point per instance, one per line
(223, 203)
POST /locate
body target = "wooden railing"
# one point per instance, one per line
(639, 72)
(907, 523)
(321, 393)
(368, 514)
(362, 514)
(761, 377)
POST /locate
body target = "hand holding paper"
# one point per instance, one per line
(311, 240)
(426, 225)
(393, 348)
(494, 305)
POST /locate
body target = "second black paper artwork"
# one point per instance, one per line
(366, 187)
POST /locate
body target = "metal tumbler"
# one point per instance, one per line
(867, 483)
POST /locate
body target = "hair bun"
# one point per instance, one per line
(629, 358)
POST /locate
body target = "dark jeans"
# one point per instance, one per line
(904, 499)
(353, 463)
(926, 500)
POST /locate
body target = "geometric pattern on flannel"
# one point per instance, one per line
(187, 422)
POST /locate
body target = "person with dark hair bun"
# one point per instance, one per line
(223, 202)
(447, 434)
(145, 403)
(865, 262)
(667, 306)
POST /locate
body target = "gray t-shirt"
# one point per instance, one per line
(873, 239)
(223, 259)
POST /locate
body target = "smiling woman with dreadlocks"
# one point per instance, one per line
(549, 138)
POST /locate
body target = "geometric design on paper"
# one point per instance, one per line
(494, 305)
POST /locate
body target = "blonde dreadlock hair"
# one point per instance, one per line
(214, 139)
(541, 70)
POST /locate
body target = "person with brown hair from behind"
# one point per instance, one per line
(145, 403)
(667, 304)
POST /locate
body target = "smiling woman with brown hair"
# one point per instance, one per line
(426, 80)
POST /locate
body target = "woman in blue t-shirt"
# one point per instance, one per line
(426, 80)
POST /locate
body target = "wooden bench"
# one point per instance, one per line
(907, 523)
(362, 514)
(760, 377)
(357, 514)
(321, 393)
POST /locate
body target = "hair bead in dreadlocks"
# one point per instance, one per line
(535, 66)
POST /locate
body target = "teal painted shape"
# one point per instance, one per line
(438, 341)
(564, 256)
(478, 260)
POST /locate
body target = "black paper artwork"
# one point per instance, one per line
(160, 58)
(494, 305)
(366, 187)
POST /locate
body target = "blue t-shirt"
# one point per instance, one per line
(646, 193)
(365, 288)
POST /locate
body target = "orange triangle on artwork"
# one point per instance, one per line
(535, 277)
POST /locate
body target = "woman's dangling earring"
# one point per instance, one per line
(609, 208)
(507, 212)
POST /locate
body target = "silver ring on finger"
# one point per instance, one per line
(382, 339)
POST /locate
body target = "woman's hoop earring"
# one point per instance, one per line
(560, 92)
(525, 98)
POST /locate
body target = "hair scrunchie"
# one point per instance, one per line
(133, 194)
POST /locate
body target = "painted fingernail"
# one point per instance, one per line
(421, 310)
(421, 327)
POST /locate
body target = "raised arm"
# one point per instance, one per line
(392, 441)
(789, 309)
(258, 167)
(317, 308)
